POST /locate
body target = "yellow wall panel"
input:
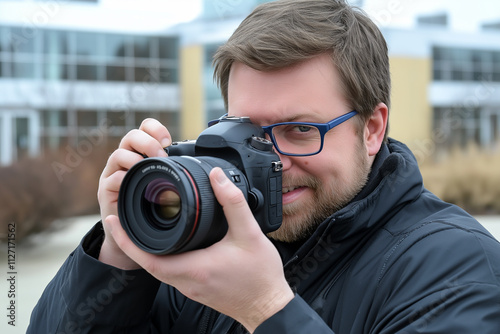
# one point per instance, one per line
(411, 113)
(191, 80)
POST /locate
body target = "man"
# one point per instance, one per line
(363, 248)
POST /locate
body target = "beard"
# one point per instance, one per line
(301, 218)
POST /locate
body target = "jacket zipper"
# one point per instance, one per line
(207, 320)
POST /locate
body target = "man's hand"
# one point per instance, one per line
(240, 276)
(149, 140)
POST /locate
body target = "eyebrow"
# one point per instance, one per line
(297, 118)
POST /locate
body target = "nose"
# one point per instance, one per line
(285, 160)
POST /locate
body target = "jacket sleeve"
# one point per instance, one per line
(88, 296)
(446, 281)
(296, 317)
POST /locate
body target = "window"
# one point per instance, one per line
(115, 118)
(116, 73)
(460, 64)
(451, 124)
(22, 40)
(88, 45)
(22, 136)
(55, 70)
(86, 118)
(456, 126)
(55, 42)
(86, 72)
(54, 118)
(117, 46)
(3, 39)
(88, 56)
(23, 70)
(142, 47)
(168, 47)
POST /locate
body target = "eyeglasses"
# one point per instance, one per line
(301, 139)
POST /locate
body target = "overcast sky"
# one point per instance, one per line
(157, 15)
(464, 15)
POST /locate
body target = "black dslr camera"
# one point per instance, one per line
(167, 206)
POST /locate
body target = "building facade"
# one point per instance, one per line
(62, 85)
(446, 88)
(445, 84)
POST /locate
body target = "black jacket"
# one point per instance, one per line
(395, 260)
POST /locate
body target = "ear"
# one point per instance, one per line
(375, 129)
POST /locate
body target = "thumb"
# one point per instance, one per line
(239, 217)
(127, 246)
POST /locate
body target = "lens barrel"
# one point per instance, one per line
(167, 206)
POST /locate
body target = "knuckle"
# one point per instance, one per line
(128, 137)
(148, 123)
(113, 156)
(152, 267)
(235, 197)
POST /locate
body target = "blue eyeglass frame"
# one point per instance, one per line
(322, 127)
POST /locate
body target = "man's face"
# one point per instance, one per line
(314, 186)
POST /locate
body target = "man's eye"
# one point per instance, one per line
(303, 128)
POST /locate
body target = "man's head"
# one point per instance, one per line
(311, 61)
(282, 33)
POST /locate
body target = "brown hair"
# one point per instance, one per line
(285, 32)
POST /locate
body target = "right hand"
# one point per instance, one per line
(149, 140)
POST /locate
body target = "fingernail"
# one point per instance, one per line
(220, 177)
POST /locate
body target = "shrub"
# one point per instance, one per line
(469, 178)
(36, 191)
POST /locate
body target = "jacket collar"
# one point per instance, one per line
(394, 181)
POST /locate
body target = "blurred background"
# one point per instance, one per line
(75, 76)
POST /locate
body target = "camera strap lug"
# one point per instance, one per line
(277, 166)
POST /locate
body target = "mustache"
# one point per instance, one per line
(304, 181)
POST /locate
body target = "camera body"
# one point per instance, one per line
(241, 143)
(167, 205)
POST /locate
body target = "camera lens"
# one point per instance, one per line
(162, 196)
(167, 206)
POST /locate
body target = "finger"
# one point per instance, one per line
(120, 159)
(114, 181)
(238, 214)
(170, 269)
(156, 130)
(142, 143)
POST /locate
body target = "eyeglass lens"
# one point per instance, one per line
(297, 138)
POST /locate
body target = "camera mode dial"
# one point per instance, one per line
(261, 144)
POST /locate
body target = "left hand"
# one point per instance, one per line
(240, 276)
